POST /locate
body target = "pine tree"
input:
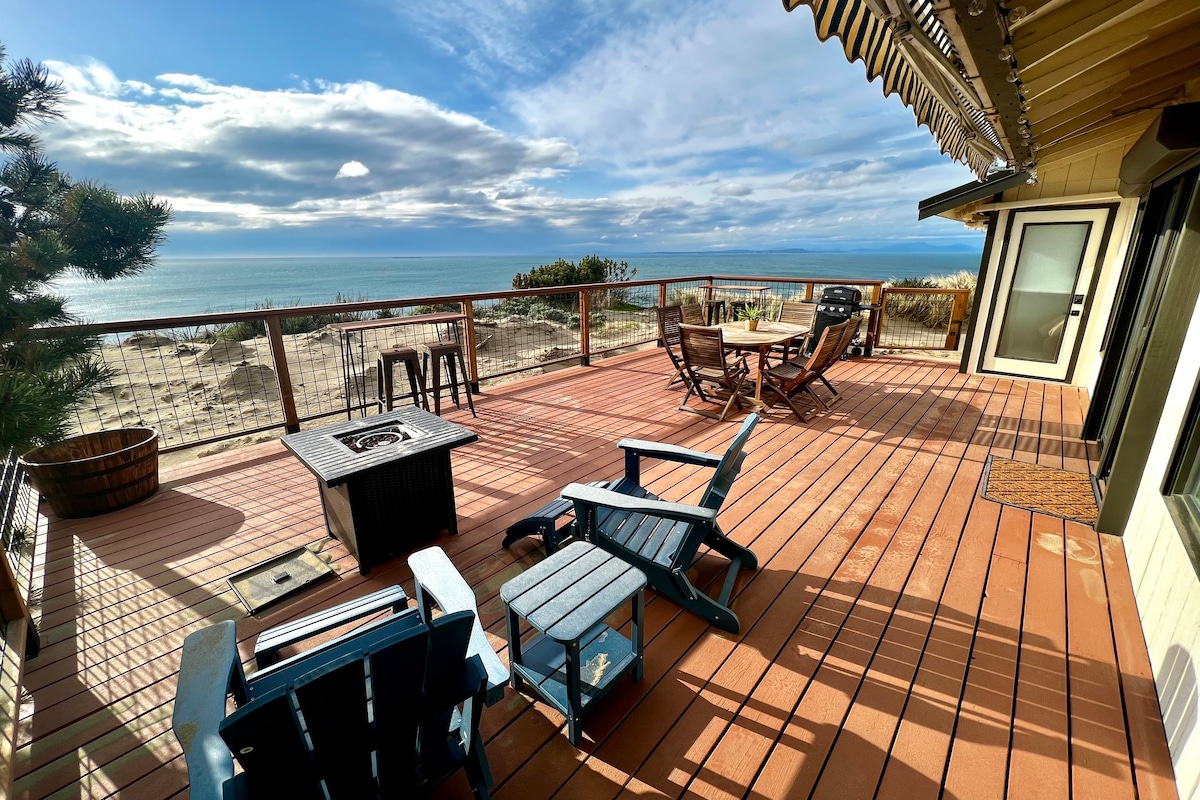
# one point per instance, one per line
(50, 224)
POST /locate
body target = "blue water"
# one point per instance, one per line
(179, 286)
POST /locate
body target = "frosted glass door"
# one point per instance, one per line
(1039, 301)
(1044, 282)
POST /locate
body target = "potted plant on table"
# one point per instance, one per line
(751, 315)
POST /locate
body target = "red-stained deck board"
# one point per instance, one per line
(831, 463)
(887, 551)
(870, 662)
(1039, 760)
(794, 527)
(1100, 764)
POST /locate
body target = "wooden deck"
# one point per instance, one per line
(902, 637)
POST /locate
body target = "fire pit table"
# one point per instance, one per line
(385, 481)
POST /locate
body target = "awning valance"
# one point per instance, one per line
(960, 196)
(961, 130)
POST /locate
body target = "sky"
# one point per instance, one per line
(391, 127)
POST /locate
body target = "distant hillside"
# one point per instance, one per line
(913, 247)
(874, 247)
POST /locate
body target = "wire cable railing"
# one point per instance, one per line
(206, 378)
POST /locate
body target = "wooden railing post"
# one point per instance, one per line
(585, 326)
(883, 298)
(873, 324)
(958, 314)
(662, 295)
(283, 375)
(468, 308)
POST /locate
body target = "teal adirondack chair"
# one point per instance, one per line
(663, 538)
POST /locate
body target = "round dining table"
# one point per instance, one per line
(734, 336)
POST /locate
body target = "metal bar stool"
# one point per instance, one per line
(416, 380)
(449, 353)
(735, 307)
(714, 312)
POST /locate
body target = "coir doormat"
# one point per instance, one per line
(1070, 495)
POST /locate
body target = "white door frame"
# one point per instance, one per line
(1059, 369)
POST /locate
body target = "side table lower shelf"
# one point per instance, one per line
(605, 656)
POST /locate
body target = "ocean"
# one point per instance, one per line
(178, 286)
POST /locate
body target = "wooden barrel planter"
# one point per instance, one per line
(95, 473)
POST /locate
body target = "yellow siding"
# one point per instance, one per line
(1082, 172)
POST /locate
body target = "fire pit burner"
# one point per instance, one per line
(362, 441)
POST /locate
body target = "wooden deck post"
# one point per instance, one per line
(958, 313)
(585, 333)
(282, 374)
(472, 357)
(873, 323)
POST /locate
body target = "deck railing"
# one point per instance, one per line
(927, 319)
(204, 378)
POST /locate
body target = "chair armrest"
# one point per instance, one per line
(668, 452)
(209, 662)
(593, 497)
(438, 581)
(272, 640)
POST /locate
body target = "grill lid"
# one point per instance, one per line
(841, 294)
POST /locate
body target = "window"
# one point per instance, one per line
(1182, 487)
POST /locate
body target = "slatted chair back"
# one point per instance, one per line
(703, 348)
(729, 467)
(798, 314)
(852, 327)
(669, 320)
(371, 722)
(693, 314)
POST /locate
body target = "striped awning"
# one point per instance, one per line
(961, 129)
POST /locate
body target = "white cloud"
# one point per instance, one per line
(212, 148)
(732, 190)
(352, 169)
(724, 126)
(724, 77)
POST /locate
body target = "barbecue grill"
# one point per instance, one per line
(837, 304)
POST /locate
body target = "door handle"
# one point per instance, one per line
(1075, 312)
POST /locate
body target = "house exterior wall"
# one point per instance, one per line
(1165, 581)
(1088, 172)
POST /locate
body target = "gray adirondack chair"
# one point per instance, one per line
(663, 538)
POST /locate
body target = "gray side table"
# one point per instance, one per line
(576, 658)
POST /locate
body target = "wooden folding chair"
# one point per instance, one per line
(703, 351)
(792, 379)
